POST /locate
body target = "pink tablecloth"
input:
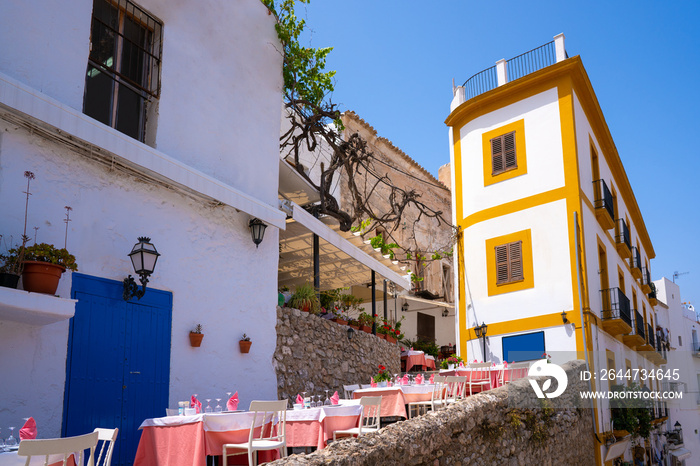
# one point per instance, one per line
(314, 427)
(429, 363)
(414, 358)
(393, 401)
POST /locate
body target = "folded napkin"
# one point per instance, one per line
(28, 431)
(196, 404)
(419, 379)
(335, 398)
(505, 364)
(432, 378)
(232, 403)
(372, 383)
(405, 380)
(300, 400)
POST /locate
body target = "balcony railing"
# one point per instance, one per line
(636, 259)
(603, 198)
(622, 233)
(531, 61)
(650, 335)
(481, 82)
(639, 324)
(661, 346)
(615, 305)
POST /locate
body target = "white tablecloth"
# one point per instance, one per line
(213, 422)
(11, 458)
(319, 414)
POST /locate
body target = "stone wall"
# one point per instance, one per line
(314, 354)
(482, 429)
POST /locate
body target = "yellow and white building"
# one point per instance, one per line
(552, 252)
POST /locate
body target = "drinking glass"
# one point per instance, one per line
(11, 441)
(208, 408)
(303, 395)
(218, 407)
(319, 403)
(328, 400)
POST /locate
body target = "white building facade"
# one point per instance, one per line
(182, 147)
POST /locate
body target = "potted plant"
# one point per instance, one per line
(382, 376)
(450, 362)
(196, 336)
(340, 317)
(43, 266)
(305, 299)
(385, 330)
(366, 322)
(11, 267)
(354, 324)
(245, 343)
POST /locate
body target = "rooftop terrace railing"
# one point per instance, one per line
(510, 70)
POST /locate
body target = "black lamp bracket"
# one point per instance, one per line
(131, 289)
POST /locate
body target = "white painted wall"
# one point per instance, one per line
(551, 266)
(221, 78)
(208, 261)
(545, 162)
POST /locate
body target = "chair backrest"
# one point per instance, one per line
(455, 387)
(479, 372)
(517, 370)
(272, 412)
(104, 451)
(371, 412)
(438, 389)
(365, 385)
(349, 389)
(60, 446)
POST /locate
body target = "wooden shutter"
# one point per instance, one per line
(509, 263)
(503, 153)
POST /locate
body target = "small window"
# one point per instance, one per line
(509, 263)
(123, 72)
(503, 153)
(680, 342)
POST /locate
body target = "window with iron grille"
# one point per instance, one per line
(123, 72)
(509, 263)
(503, 153)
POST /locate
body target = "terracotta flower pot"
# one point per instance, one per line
(196, 339)
(245, 345)
(382, 336)
(341, 322)
(366, 328)
(355, 327)
(41, 277)
(390, 339)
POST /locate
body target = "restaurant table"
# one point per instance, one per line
(315, 426)
(413, 358)
(11, 458)
(188, 440)
(429, 362)
(394, 399)
(494, 376)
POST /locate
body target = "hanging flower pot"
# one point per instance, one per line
(41, 277)
(196, 336)
(245, 346)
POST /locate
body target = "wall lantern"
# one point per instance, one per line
(480, 331)
(445, 312)
(257, 230)
(143, 258)
(563, 317)
(404, 307)
(678, 430)
(351, 333)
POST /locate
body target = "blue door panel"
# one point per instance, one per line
(118, 367)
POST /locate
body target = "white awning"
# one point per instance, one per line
(617, 449)
(681, 454)
(344, 258)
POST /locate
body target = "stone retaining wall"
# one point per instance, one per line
(482, 429)
(314, 354)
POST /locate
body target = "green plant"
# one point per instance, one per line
(354, 322)
(427, 347)
(378, 243)
(362, 226)
(454, 359)
(245, 337)
(385, 328)
(630, 413)
(44, 252)
(305, 298)
(382, 375)
(11, 261)
(366, 319)
(197, 329)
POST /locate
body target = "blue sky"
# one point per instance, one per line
(395, 63)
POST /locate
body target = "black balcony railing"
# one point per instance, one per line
(652, 293)
(646, 279)
(622, 233)
(650, 335)
(603, 197)
(639, 324)
(636, 259)
(615, 305)
(481, 82)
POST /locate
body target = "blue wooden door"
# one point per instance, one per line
(118, 367)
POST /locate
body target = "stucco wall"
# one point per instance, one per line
(217, 275)
(483, 429)
(314, 354)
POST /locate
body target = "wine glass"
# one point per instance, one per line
(11, 441)
(319, 403)
(303, 395)
(218, 407)
(208, 408)
(328, 400)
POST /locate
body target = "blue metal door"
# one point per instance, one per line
(118, 367)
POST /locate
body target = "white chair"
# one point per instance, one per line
(436, 399)
(365, 386)
(104, 453)
(369, 419)
(515, 371)
(479, 376)
(349, 389)
(60, 446)
(455, 388)
(269, 438)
